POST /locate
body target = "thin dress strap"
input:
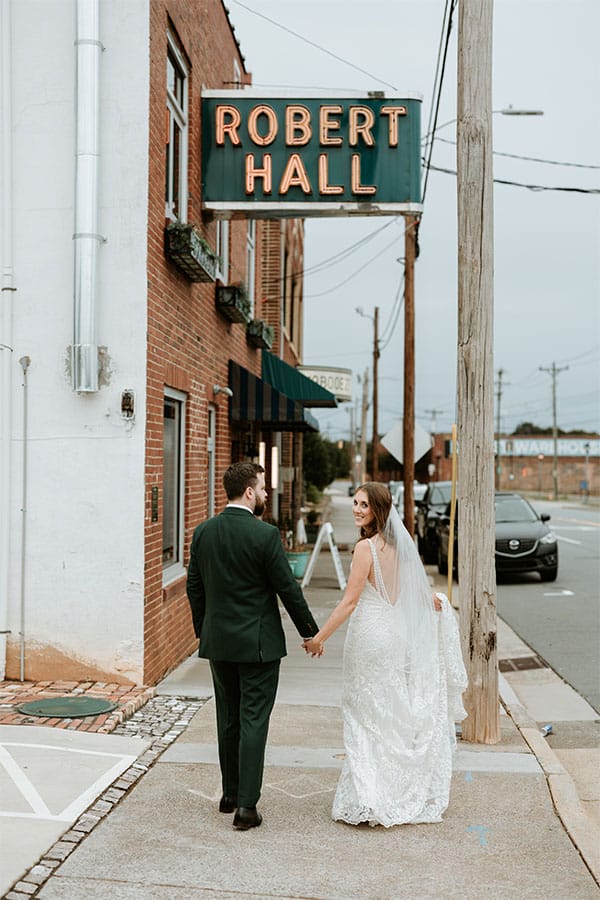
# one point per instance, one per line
(379, 582)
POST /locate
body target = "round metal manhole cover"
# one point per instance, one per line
(67, 707)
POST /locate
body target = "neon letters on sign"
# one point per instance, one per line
(314, 156)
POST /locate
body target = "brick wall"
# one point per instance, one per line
(188, 342)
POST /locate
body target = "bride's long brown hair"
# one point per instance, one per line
(380, 503)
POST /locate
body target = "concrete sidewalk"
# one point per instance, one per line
(501, 836)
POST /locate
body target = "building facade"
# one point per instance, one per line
(133, 334)
(526, 463)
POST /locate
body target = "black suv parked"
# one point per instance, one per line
(429, 509)
(524, 542)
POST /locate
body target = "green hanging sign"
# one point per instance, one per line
(307, 156)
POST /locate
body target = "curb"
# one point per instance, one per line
(560, 784)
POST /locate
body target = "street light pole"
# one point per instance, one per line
(375, 440)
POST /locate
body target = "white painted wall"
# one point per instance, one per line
(84, 565)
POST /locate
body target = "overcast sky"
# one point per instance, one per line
(547, 243)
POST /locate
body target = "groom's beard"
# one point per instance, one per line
(259, 509)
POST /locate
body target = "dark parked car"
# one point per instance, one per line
(429, 509)
(524, 542)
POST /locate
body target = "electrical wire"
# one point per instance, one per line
(313, 44)
(441, 68)
(548, 162)
(530, 187)
(356, 272)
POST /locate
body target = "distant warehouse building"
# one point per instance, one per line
(526, 463)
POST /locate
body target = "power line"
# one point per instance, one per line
(361, 268)
(441, 68)
(548, 162)
(530, 187)
(313, 44)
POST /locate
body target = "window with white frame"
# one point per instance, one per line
(173, 483)
(177, 135)
(251, 262)
(222, 250)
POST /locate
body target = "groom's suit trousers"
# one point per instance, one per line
(244, 697)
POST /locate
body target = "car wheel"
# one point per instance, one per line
(549, 574)
(442, 563)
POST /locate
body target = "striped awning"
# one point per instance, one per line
(256, 401)
(289, 381)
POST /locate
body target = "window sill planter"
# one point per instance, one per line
(260, 334)
(186, 247)
(232, 302)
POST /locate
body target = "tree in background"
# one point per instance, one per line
(530, 428)
(323, 460)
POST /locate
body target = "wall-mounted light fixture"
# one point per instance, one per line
(274, 467)
(128, 404)
(217, 389)
(262, 453)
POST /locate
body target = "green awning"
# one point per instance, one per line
(294, 384)
(254, 400)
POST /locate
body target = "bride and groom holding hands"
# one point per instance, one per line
(403, 674)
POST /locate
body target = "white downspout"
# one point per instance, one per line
(87, 49)
(6, 316)
(24, 362)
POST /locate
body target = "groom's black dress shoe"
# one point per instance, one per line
(246, 817)
(227, 804)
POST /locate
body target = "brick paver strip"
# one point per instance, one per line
(129, 698)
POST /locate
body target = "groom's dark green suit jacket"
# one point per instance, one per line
(237, 568)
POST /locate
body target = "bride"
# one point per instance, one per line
(403, 676)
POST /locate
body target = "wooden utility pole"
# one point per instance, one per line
(375, 439)
(363, 428)
(408, 421)
(554, 372)
(475, 385)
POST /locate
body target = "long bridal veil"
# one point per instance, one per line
(426, 642)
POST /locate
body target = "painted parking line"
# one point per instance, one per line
(575, 522)
(559, 537)
(559, 593)
(75, 806)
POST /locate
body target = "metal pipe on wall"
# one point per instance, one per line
(24, 362)
(84, 362)
(6, 315)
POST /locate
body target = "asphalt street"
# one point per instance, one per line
(561, 620)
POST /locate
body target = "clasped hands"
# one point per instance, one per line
(313, 647)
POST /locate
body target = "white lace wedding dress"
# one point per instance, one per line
(399, 731)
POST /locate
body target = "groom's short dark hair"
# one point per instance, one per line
(239, 476)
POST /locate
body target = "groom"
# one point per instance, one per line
(237, 568)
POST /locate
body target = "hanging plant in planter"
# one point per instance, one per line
(232, 302)
(186, 247)
(260, 334)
